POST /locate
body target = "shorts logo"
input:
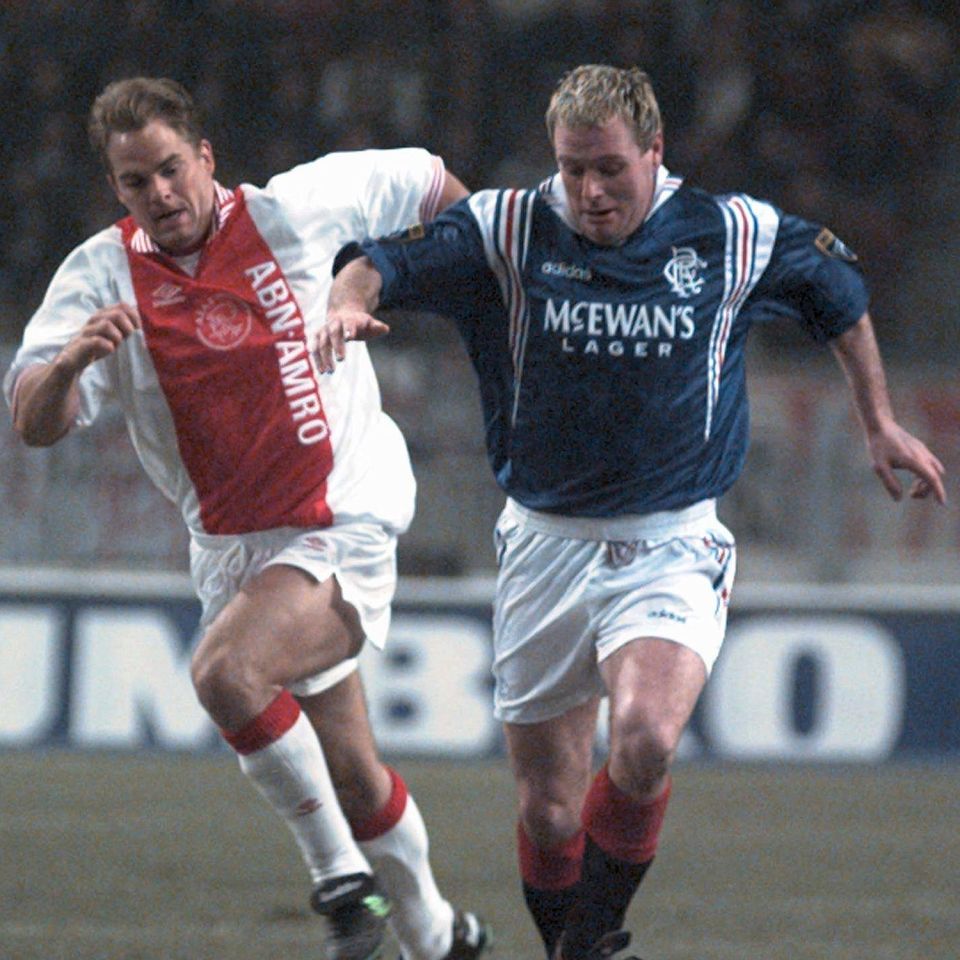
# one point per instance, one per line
(666, 615)
(681, 271)
(308, 806)
(223, 322)
(829, 244)
(621, 553)
(314, 542)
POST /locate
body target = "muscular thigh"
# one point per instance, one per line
(653, 685)
(675, 589)
(565, 602)
(284, 625)
(295, 602)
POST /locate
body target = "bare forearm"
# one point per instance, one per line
(857, 352)
(47, 401)
(891, 447)
(356, 287)
(47, 396)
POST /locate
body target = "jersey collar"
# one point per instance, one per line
(553, 192)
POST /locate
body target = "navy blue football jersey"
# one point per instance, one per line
(612, 378)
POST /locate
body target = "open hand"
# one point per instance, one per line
(894, 448)
(342, 326)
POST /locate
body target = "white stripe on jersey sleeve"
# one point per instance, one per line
(505, 218)
(751, 230)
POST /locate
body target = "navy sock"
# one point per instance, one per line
(549, 909)
(603, 894)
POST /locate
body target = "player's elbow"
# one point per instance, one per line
(37, 439)
(42, 414)
(37, 433)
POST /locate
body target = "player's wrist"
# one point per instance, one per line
(65, 368)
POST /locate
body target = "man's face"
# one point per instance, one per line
(165, 183)
(609, 179)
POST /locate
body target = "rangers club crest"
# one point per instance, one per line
(681, 271)
(223, 322)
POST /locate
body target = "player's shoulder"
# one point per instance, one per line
(745, 204)
(698, 199)
(108, 239)
(732, 213)
(351, 165)
(500, 205)
(547, 196)
(98, 254)
(540, 192)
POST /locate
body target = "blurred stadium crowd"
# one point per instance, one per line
(840, 110)
(831, 108)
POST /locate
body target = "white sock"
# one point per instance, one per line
(281, 754)
(422, 920)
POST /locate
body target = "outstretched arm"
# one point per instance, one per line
(355, 294)
(47, 396)
(890, 446)
(353, 298)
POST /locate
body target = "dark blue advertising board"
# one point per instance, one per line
(807, 673)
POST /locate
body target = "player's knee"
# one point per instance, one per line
(643, 753)
(548, 823)
(219, 678)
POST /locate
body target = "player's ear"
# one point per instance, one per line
(656, 145)
(205, 150)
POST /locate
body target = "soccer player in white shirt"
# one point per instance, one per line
(195, 313)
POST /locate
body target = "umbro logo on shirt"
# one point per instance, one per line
(167, 294)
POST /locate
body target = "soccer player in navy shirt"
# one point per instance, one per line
(606, 313)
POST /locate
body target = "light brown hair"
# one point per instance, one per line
(592, 94)
(128, 105)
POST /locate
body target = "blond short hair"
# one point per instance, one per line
(126, 106)
(592, 94)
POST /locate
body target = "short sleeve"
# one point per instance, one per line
(430, 267)
(79, 288)
(368, 192)
(814, 277)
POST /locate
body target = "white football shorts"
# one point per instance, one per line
(572, 590)
(362, 556)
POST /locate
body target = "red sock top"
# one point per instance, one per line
(268, 727)
(553, 868)
(621, 826)
(386, 818)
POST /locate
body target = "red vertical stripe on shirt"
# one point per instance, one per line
(232, 358)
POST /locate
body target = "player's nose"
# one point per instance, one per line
(159, 189)
(591, 186)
